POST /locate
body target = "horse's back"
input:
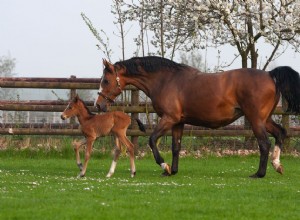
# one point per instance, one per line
(218, 99)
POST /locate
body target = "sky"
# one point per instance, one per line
(50, 38)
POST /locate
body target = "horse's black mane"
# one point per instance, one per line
(149, 64)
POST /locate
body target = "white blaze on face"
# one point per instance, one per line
(99, 91)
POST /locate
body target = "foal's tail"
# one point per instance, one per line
(287, 82)
(141, 125)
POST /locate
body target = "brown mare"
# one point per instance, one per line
(96, 125)
(182, 95)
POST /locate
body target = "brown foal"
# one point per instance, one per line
(96, 125)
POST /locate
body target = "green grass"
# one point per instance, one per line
(206, 188)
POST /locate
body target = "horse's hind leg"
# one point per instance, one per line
(176, 146)
(264, 143)
(117, 152)
(76, 145)
(130, 148)
(279, 134)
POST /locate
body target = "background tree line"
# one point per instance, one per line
(169, 28)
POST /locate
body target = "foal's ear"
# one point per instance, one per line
(76, 98)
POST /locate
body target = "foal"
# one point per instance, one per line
(94, 126)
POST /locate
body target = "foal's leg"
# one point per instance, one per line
(130, 148)
(264, 143)
(116, 157)
(88, 150)
(177, 131)
(164, 125)
(279, 134)
(76, 146)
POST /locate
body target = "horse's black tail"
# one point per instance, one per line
(141, 125)
(287, 82)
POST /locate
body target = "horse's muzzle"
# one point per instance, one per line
(62, 117)
(102, 107)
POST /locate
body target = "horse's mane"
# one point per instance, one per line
(149, 64)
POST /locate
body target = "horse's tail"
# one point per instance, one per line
(287, 82)
(141, 125)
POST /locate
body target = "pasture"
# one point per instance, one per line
(45, 187)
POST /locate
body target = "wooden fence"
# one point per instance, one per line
(74, 83)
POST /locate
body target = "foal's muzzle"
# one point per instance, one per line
(63, 117)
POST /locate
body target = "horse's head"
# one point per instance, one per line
(72, 109)
(111, 85)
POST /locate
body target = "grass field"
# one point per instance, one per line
(206, 188)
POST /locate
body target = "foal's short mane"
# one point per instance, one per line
(149, 64)
(89, 112)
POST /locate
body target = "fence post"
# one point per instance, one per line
(285, 123)
(134, 102)
(72, 96)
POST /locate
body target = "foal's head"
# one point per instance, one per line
(74, 108)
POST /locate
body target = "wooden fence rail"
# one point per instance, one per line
(74, 83)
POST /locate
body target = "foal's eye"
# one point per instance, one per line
(70, 107)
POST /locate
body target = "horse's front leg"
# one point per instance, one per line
(264, 148)
(164, 125)
(76, 145)
(88, 150)
(177, 131)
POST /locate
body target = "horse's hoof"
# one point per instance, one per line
(256, 175)
(108, 175)
(280, 169)
(174, 172)
(165, 174)
(168, 169)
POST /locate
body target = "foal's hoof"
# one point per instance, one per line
(80, 166)
(133, 174)
(80, 175)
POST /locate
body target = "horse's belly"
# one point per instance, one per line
(213, 119)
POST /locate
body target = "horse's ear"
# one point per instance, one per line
(108, 65)
(105, 62)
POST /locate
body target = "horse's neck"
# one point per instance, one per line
(143, 83)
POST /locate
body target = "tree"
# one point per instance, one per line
(243, 24)
(194, 59)
(103, 45)
(7, 66)
(166, 21)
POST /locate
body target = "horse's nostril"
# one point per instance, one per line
(62, 117)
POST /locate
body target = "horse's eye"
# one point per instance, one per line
(70, 107)
(105, 81)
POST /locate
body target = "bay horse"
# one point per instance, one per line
(181, 94)
(96, 125)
